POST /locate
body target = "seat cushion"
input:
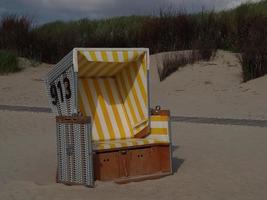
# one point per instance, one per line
(134, 142)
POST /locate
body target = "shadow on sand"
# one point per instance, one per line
(176, 162)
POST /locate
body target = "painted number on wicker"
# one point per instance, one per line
(54, 93)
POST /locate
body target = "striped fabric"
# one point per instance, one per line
(159, 128)
(114, 144)
(100, 99)
(112, 88)
(132, 83)
(105, 63)
(159, 135)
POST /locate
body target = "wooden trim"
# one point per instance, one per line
(143, 133)
(160, 112)
(141, 178)
(73, 119)
(131, 147)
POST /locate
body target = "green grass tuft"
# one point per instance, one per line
(8, 62)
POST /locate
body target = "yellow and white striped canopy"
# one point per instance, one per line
(112, 88)
(106, 62)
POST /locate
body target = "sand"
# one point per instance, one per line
(25, 88)
(210, 89)
(210, 161)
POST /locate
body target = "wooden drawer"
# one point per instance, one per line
(106, 165)
(143, 161)
(132, 162)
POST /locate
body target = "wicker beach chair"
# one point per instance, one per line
(130, 141)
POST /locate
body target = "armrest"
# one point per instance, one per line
(143, 131)
(140, 123)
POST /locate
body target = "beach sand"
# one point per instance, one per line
(210, 161)
(210, 89)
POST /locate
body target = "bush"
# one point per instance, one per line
(168, 32)
(237, 30)
(8, 62)
(254, 50)
(15, 34)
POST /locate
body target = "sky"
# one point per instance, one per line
(50, 10)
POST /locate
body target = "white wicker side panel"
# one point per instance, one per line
(74, 153)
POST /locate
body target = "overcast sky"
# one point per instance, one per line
(50, 10)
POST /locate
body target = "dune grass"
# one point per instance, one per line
(171, 63)
(8, 62)
(169, 30)
(254, 49)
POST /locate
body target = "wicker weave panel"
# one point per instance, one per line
(74, 151)
(65, 104)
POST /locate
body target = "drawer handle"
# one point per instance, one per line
(123, 152)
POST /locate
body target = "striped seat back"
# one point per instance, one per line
(100, 99)
(112, 88)
(132, 83)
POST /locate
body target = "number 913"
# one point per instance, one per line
(54, 92)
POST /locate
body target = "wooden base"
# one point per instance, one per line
(142, 178)
(133, 164)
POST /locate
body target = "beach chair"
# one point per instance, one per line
(130, 141)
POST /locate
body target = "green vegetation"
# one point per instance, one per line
(8, 62)
(236, 30)
(172, 63)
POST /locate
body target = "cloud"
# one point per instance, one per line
(48, 10)
(234, 3)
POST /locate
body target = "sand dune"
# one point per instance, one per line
(210, 161)
(25, 88)
(212, 89)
